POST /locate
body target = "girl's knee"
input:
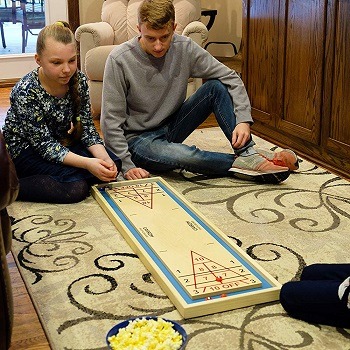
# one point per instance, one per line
(77, 191)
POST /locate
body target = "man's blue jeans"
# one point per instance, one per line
(162, 149)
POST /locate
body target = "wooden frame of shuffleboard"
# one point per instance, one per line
(197, 266)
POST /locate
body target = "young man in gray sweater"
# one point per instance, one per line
(146, 117)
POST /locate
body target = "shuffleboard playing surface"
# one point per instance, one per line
(190, 253)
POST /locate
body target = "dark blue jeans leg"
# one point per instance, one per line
(315, 297)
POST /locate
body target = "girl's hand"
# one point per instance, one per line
(104, 170)
(111, 164)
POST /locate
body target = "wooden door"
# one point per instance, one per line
(336, 132)
(260, 51)
(296, 68)
(283, 69)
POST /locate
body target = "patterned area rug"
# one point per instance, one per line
(84, 278)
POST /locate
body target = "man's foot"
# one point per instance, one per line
(255, 167)
(286, 158)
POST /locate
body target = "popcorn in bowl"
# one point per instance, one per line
(147, 333)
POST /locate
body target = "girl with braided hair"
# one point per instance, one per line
(49, 131)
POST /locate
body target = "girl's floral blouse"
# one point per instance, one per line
(39, 120)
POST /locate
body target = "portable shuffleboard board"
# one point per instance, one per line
(195, 263)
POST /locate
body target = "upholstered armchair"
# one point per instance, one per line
(119, 24)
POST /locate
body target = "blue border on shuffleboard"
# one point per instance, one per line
(265, 283)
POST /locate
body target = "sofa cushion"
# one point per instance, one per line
(122, 16)
(95, 61)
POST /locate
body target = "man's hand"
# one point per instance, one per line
(240, 135)
(136, 173)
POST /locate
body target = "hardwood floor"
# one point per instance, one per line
(28, 333)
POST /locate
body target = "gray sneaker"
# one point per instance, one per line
(257, 168)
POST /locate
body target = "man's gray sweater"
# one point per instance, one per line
(141, 91)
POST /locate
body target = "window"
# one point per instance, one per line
(14, 65)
